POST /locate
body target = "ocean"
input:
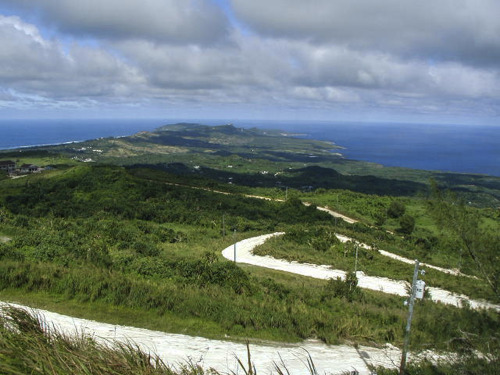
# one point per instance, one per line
(25, 133)
(453, 148)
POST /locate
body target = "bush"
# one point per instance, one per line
(319, 238)
(407, 224)
(146, 248)
(396, 209)
(338, 288)
(380, 218)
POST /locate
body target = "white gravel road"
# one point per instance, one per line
(398, 287)
(405, 260)
(177, 349)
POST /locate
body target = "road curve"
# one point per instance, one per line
(334, 214)
(397, 287)
(402, 259)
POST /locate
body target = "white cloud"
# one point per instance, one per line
(455, 80)
(173, 21)
(242, 63)
(32, 65)
(324, 94)
(446, 29)
(363, 55)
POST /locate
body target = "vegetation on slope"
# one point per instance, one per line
(27, 345)
(147, 238)
(100, 234)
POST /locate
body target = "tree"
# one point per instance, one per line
(407, 224)
(396, 209)
(463, 223)
(380, 218)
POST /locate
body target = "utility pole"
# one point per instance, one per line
(223, 225)
(408, 323)
(234, 239)
(356, 262)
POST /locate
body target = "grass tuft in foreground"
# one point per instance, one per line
(29, 346)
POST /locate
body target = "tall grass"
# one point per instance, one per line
(265, 309)
(467, 365)
(28, 346)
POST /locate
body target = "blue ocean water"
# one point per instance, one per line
(455, 148)
(23, 133)
(449, 148)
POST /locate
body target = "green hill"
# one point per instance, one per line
(135, 237)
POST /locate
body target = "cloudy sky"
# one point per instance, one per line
(362, 60)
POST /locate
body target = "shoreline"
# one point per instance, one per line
(387, 157)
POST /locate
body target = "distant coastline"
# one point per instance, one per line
(446, 148)
(460, 149)
(39, 133)
(41, 145)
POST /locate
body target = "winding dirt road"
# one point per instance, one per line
(398, 287)
(336, 214)
(176, 349)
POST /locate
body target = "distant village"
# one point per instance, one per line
(13, 169)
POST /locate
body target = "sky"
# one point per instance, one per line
(421, 61)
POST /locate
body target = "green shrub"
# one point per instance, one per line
(347, 289)
(396, 209)
(407, 224)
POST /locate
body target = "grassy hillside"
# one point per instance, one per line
(101, 234)
(138, 239)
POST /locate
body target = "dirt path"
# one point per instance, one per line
(325, 209)
(403, 259)
(176, 349)
(398, 287)
(344, 238)
(335, 214)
